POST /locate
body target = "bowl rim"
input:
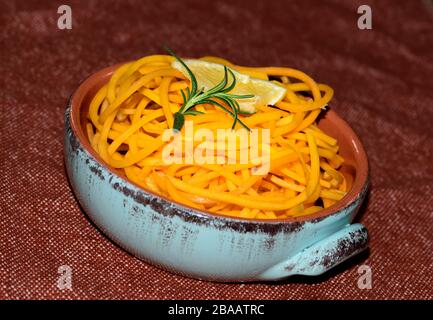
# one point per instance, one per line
(358, 190)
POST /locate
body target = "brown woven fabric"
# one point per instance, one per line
(384, 89)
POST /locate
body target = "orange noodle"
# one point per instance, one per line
(129, 115)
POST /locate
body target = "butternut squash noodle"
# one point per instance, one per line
(129, 114)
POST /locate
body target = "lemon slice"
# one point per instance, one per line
(209, 74)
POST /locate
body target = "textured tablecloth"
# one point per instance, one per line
(384, 89)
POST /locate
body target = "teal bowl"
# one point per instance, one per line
(204, 245)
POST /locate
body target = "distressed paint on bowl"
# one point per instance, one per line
(204, 245)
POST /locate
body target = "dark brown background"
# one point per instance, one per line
(384, 89)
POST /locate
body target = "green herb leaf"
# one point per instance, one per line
(192, 112)
(191, 75)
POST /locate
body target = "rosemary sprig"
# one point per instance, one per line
(218, 96)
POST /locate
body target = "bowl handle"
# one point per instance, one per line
(323, 255)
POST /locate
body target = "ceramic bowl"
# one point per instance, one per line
(205, 245)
